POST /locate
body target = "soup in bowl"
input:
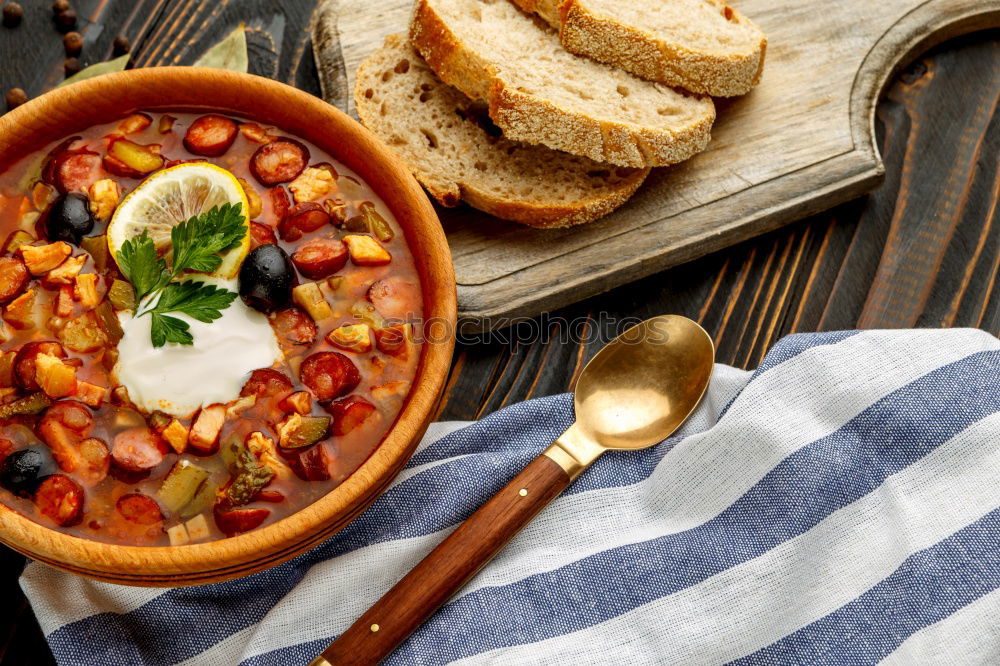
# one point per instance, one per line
(221, 335)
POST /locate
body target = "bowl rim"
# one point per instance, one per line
(268, 546)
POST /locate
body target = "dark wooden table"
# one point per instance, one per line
(924, 250)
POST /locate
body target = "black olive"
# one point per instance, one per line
(23, 470)
(266, 279)
(69, 219)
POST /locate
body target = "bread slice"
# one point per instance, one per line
(705, 46)
(456, 152)
(540, 93)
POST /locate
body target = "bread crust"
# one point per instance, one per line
(526, 117)
(644, 54)
(450, 192)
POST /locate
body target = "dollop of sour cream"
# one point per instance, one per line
(180, 379)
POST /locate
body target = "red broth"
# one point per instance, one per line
(86, 461)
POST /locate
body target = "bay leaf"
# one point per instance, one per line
(230, 53)
(107, 67)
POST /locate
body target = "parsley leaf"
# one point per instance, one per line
(141, 265)
(170, 329)
(197, 300)
(197, 247)
(198, 241)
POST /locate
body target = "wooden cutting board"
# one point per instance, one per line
(801, 142)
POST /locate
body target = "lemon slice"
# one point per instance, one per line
(172, 196)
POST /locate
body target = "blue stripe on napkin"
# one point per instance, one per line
(543, 602)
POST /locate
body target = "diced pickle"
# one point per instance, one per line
(16, 239)
(108, 321)
(298, 432)
(30, 404)
(86, 333)
(181, 485)
(166, 124)
(202, 501)
(122, 295)
(378, 224)
(229, 449)
(366, 312)
(159, 420)
(97, 247)
(142, 159)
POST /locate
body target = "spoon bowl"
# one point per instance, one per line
(644, 384)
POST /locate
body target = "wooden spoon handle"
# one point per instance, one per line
(448, 567)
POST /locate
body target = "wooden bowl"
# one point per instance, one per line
(74, 108)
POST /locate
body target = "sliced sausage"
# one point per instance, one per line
(301, 219)
(211, 135)
(51, 160)
(349, 413)
(60, 498)
(236, 521)
(394, 298)
(24, 361)
(329, 375)
(6, 448)
(138, 508)
(294, 326)
(137, 449)
(267, 383)
(261, 234)
(393, 340)
(280, 161)
(280, 203)
(14, 278)
(320, 258)
(75, 171)
(313, 465)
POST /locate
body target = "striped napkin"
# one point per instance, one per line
(839, 505)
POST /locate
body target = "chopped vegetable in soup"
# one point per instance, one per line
(206, 326)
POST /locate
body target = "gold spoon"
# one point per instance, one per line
(636, 392)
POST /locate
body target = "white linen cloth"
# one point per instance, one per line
(839, 505)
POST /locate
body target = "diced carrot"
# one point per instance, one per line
(91, 395)
(176, 435)
(20, 313)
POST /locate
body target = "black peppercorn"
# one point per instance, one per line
(71, 66)
(73, 43)
(121, 46)
(66, 20)
(12, 14)
(15, 98)
(59, 6)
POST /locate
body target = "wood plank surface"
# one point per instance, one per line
(800, 142)
(836, 270)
